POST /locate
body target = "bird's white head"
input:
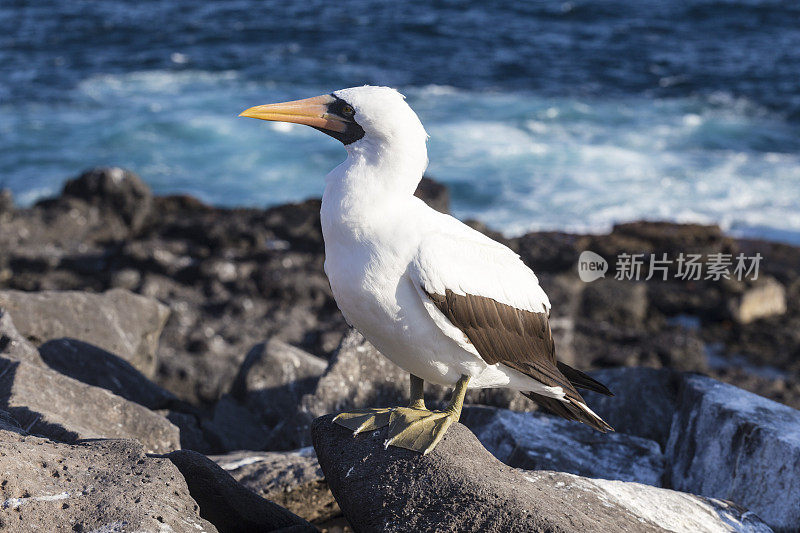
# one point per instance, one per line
(376, 125)
(383, 114)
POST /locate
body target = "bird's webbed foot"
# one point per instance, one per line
(416, 428)
(419, 429)
(365, 419)
(413, 427)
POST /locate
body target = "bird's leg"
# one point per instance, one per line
(421, 430)
(375, 418)
(417, 397)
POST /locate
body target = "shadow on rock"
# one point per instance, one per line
(93, 365)
(231, 507)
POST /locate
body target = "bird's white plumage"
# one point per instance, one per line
(475, 264)
(385, 249)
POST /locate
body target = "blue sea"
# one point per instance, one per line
(542, 115)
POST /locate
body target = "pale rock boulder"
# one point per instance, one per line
(126, 324)
(535, 441)
(765, 298)
(52, 405)
(274, 377)
(729, 443)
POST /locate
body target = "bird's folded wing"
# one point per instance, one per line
(467, 262)
(483, 296)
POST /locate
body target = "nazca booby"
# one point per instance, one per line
(444, 302)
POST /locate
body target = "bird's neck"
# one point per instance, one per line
(376, 176)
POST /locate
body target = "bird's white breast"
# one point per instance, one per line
(366, 261)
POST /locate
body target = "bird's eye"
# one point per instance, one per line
(348, 110)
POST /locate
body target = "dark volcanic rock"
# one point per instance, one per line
(434, 194)
(58, 407)
(119, 192)
(664, 237)
(293, 480)
(535, 441)
(604, 345)
(274, 377)
(643, 404)
(9, 423)
(123, 323)
(192, 436)
(234, 427)
(227, 504)
(729, 443)
(461, 487)
(550, 251)
(105, 485)
(621, 303)
(6, 201)
(693, 298)
(358, 376)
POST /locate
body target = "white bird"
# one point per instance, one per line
(442, 301)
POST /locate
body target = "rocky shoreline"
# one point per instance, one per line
(172, 325)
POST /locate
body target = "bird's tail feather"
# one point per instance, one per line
(571, 409)
(581, 380)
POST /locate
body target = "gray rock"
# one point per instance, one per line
(293, 480)
(58, 407)
(227, 504)
(106, 485)
(234, 427)
(535, 441)
(461, 487)
(358, 376)
(730, 443)
(274, 377)
(118, 321)
(764, 298)
(643, 403)
(13, 344)
(94, 366)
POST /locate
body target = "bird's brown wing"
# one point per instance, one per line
(521, 340)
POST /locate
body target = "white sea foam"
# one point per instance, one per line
(516, 161)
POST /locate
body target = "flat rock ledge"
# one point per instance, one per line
(460, 486)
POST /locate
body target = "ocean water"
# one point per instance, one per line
(547, 115)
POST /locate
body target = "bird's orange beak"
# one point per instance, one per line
(311, 112)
